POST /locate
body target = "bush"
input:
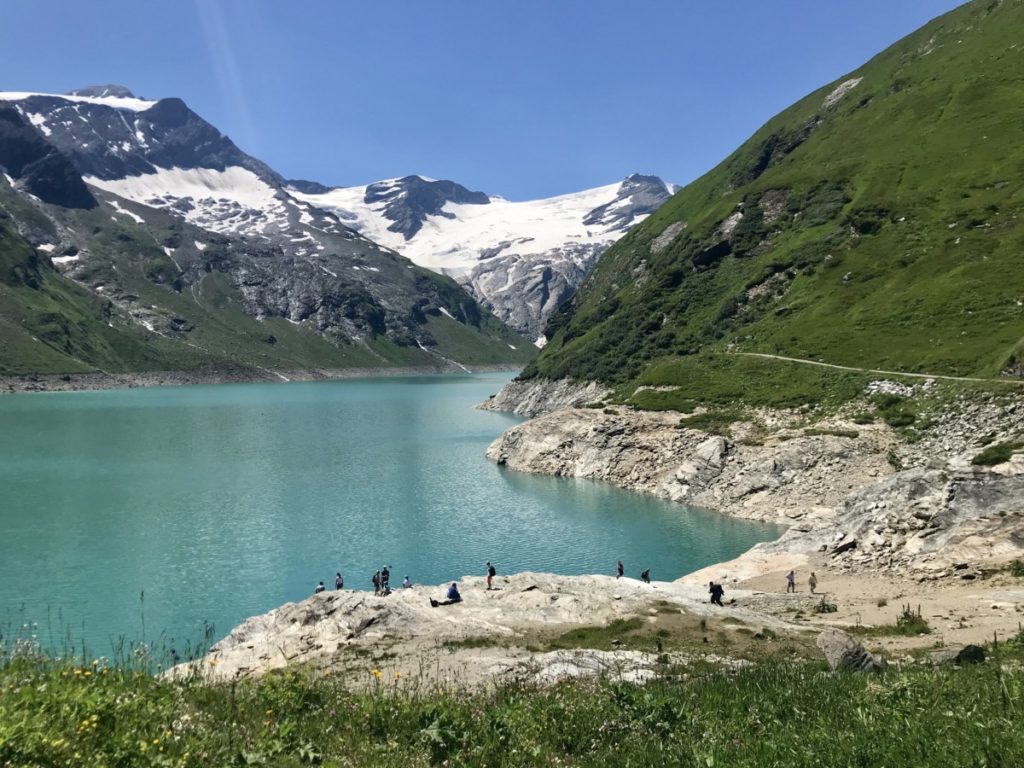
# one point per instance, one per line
(996, 454)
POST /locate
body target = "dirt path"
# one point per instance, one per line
(878, 370)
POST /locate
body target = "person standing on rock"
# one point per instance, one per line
(376, 582)
(339, 580)
(716, 591)
(619, 570)
(385, 577)
(491, 573)
(813, 582)
(791, 582)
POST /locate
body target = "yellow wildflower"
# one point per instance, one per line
(377, 673)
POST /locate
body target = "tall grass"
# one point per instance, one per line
(55, 712)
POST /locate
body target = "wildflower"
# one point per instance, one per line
(88, 673)
(377, 673)
(269, 712)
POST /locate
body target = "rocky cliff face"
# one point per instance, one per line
(788, 477)
(532, 398)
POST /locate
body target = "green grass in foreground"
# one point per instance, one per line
(56, 714)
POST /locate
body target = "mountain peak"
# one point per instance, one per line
(408, 201)
(103, 91)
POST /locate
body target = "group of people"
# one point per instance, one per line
(381, 584)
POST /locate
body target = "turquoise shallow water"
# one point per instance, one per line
(171, 507)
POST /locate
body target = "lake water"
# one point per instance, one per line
(130, 513)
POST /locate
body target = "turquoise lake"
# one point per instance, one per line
(145, 513)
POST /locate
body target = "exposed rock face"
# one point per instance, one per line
(407, 202)
(532, 398)
(783, 479)
(43, 170)
(524, 288)
(845, 653)
(922, 520)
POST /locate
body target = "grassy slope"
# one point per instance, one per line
(55, 325)
(898, 245)
(794, 715)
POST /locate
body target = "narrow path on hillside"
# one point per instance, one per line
(877, 370)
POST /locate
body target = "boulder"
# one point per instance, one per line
(844, 652)
(966, 654)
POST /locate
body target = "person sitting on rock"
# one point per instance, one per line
(319, 588)
(453, 597)
(406, 584)
(645, 576)
(717, 592)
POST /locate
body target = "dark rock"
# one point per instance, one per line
(846, 546)
(967, 654)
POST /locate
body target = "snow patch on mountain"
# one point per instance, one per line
(118, 102)
(234, 200)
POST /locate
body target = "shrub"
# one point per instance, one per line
(996, 454)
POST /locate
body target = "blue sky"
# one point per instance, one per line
(523, 98)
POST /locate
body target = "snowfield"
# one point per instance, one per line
(502, 227)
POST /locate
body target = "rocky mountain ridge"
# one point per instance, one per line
(519, 259)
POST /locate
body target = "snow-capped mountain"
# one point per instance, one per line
(149, 163)
(520, 259)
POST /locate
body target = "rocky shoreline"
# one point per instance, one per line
(80, 382)
(878, 518)
(855, 491)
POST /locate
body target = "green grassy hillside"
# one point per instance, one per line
(872, 224)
